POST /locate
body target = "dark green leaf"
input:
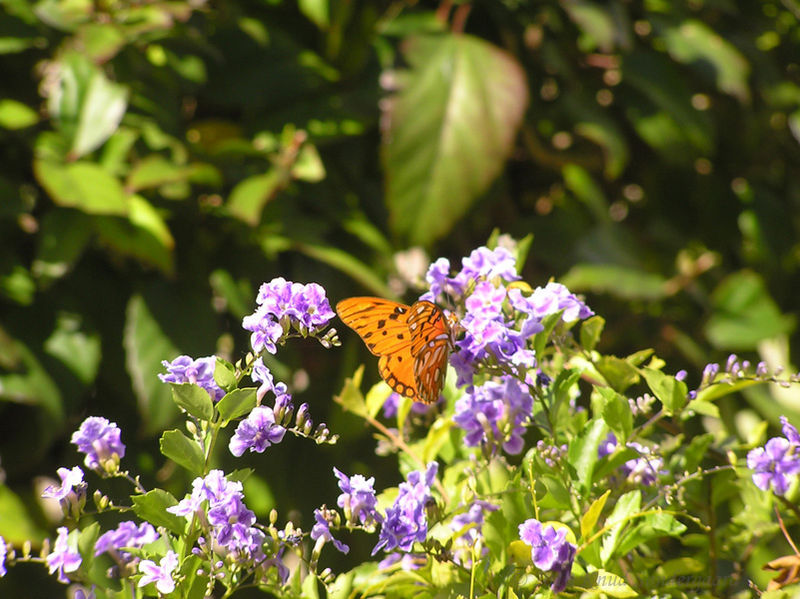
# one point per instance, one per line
(77, 349)
(616, 413)
(583, 450)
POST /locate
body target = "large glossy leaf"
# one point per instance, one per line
(450, 128)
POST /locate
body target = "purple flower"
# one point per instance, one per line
(3, 554)
(200, 372)
(773, 464)
(322, 530)
(160, 574)
(256, 432)
(232, 520)
(642, 470)
(495, 413)
(261, 374)
(283, 305)
(82, 593)
(406, 520)
(69, 479)
(789, 431)
(127, 534)
(100, 440)
(65, 557)
(550, 299)
(357, 498)
(482, 264)
(550, 550)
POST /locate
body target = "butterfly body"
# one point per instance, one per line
(412, 342)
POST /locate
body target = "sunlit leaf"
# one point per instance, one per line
(16, 115)
(82, 185)
(450, 129)
(620, 281)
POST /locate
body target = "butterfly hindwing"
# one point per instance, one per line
(397, 370)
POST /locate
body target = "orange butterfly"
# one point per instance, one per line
(412, 342)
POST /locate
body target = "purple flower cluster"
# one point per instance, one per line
(776, 463)
(495, 414)
(550, 550)
(406, 521)
(358, 498)
(126, 535)
(219, 503)
(471, 523)
(643, 470)
(65, 557)
(161, 573)
(200, 372)
(283, 305)
(100, 440)
(482, 264)
(256, 432)
(551, 298)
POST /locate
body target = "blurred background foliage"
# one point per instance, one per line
(159, 160)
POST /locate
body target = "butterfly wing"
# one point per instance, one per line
(383, 325)
(431, 341)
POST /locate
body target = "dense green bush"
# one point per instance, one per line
(160, 160)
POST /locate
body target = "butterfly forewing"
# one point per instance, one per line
(382, 324)
(413, 342)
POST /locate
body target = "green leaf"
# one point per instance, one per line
(144, 235)
(451, 127)
(16, 115)
(183, 451)
(619, 373)
(146, 345)
(589, 519)
(616, 413)
(75, 348)
(664, 116)
(29, 382)
(102, 109)
(249, 197)
(82, 185)
(626, 506)
(317, 11)
(591, 329)
(16, 525)
(350, 397)
(620, 281)
(583, 186)
(744, 313)
(152, 507)
(193, 399)
(697, 45)
(376, 397)
(669, 391)
(308, 166)
(225, 375)
(583, 450)
(154, 171)
(557, 494)
(63, 236)
(437, 436)
(237, 403)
